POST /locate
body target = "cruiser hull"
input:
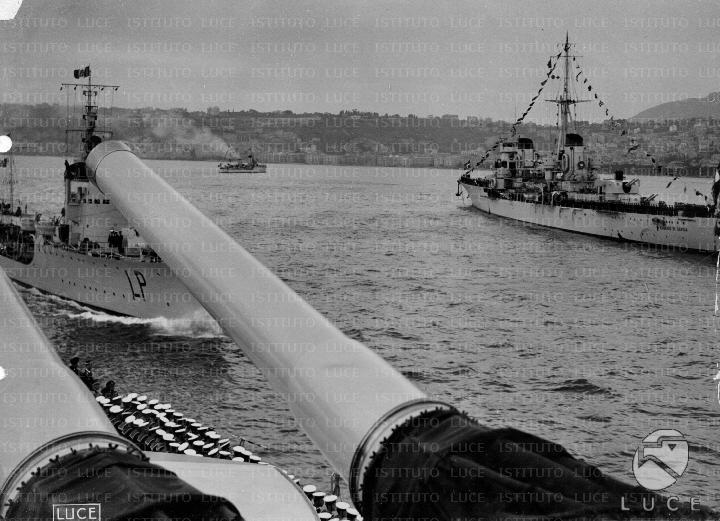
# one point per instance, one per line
(677, 232)
(119, 286)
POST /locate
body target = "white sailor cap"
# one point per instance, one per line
(131, 396)
(161, 432)
(254, 459)
(324, 515)
(239, 450)
(115, 409)
(198, 443)
(141, 398)
(190, 452)
(168, 437)
(141, 406)
(239, 459)
(341, 507)
(153, 401)
(352, 513)
(212, 452)
(130, 419)
(309, 490)
(183, 446)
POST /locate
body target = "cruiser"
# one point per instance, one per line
(565, 191)
(90, 253)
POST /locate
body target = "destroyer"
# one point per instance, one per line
(90, 253)
(564, 191)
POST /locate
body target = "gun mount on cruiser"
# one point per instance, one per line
(405, 456)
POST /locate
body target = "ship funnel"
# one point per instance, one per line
(347, 398)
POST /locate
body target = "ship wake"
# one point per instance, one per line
(198, 325)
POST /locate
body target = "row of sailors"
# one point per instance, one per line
(328, 506)
(156, 427)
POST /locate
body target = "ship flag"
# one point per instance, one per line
(81, 73)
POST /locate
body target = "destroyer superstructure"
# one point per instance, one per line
(90, 253)
(566, 190)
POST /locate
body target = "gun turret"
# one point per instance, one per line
(326, 376)
(405, 456)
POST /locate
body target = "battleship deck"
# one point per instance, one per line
(665, 228)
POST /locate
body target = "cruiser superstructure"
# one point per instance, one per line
(90, 253)
(565, 191)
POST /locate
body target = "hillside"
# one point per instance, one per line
(691, 108)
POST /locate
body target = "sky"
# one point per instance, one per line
(481, 58)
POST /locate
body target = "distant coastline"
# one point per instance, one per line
(688, 147)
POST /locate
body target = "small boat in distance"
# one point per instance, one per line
(236, 166)
(565, 190)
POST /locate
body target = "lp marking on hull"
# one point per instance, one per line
(140, 282)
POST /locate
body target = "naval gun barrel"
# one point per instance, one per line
(44, 408)
(347, 398)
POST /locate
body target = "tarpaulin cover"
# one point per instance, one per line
(446, 466)
(126, 487)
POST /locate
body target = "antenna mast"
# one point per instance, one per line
(90, 111)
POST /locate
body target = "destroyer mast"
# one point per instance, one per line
(91, 133)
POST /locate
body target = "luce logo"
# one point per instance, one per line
(661, 459)
(77, 512)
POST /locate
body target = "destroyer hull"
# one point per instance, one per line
(119, 286)
(676, 232)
